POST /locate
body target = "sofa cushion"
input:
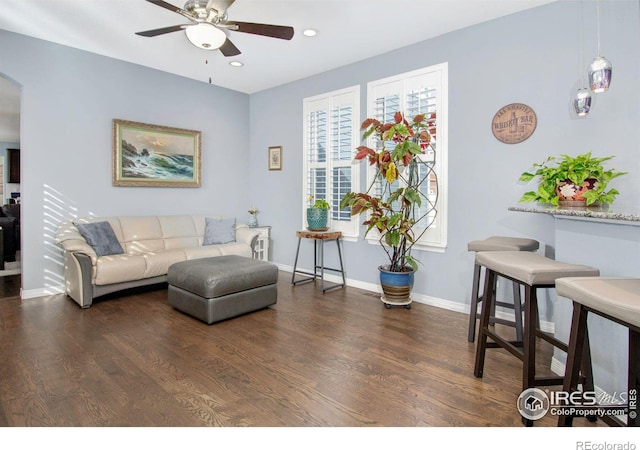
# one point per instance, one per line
(100, 236)
(119, 268)
(219, 231)
(158, 262)
(142, 234)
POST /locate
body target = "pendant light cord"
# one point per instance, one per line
(580, 43)
(598, 23)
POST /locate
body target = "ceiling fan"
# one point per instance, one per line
(209, 20)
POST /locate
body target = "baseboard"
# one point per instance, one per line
(449, 305)
(42, 292)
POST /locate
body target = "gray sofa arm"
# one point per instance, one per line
(86, 273)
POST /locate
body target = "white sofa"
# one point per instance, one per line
(150, 244)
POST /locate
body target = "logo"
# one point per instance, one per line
(533, 404)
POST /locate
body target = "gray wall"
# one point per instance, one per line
(69, 98)
(531, 58)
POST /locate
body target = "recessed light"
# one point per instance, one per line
(236, 64)
(310, 32)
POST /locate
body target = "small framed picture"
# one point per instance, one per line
(275, 158)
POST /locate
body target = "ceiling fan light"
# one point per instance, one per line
(205, 36)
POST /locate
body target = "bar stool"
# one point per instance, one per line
(532, 271)
(495, 244)
(616, 299)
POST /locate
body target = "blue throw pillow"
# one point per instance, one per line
(101, 237)
(219, 231)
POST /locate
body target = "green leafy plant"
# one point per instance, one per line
(321, 203)
(577, 169)
(401, 204)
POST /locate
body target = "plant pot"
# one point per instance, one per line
(253, 221)
(396, 286)
(571, 195)
(317, 219)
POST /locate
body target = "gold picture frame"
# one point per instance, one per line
(149, 155)
(275, 158)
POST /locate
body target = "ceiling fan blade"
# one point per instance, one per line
(220, 6)
(228, 49)
(166, 5)
(263, 29)
(159, 31)
(173, 8)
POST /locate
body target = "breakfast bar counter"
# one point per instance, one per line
(605, 238)
(622, 216)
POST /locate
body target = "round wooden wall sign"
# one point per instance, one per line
(514, 123)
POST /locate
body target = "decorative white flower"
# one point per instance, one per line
(568, 190)
(253, 211)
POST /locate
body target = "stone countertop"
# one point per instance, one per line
(626, 216)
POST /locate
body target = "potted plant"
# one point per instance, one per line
(318, 215)
(573, 181)
(403, 175)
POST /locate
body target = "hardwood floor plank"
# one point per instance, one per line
(312, 360)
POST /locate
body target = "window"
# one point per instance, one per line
(417, 92)
(331, 126)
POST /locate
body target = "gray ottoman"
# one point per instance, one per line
(218, 288)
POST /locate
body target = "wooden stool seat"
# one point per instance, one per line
(497, 244)
(617, 299)
(531, 271)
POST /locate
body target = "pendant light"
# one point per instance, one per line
(600, 68)
(582, 100)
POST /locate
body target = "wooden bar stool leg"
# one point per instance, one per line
(517, 310)
(587, 370)
(529, 342)
(574, 356)
(473, 310)
(529, 337)
(487, 300)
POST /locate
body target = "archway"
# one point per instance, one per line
(10, 99)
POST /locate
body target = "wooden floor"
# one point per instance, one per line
(312, 360)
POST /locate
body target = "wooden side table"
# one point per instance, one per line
(319, 238)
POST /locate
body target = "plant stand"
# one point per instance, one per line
(389, 303)
(318, 238)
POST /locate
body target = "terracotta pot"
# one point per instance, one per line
(571, 195)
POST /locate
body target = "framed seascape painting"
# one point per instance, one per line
(154, 155)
